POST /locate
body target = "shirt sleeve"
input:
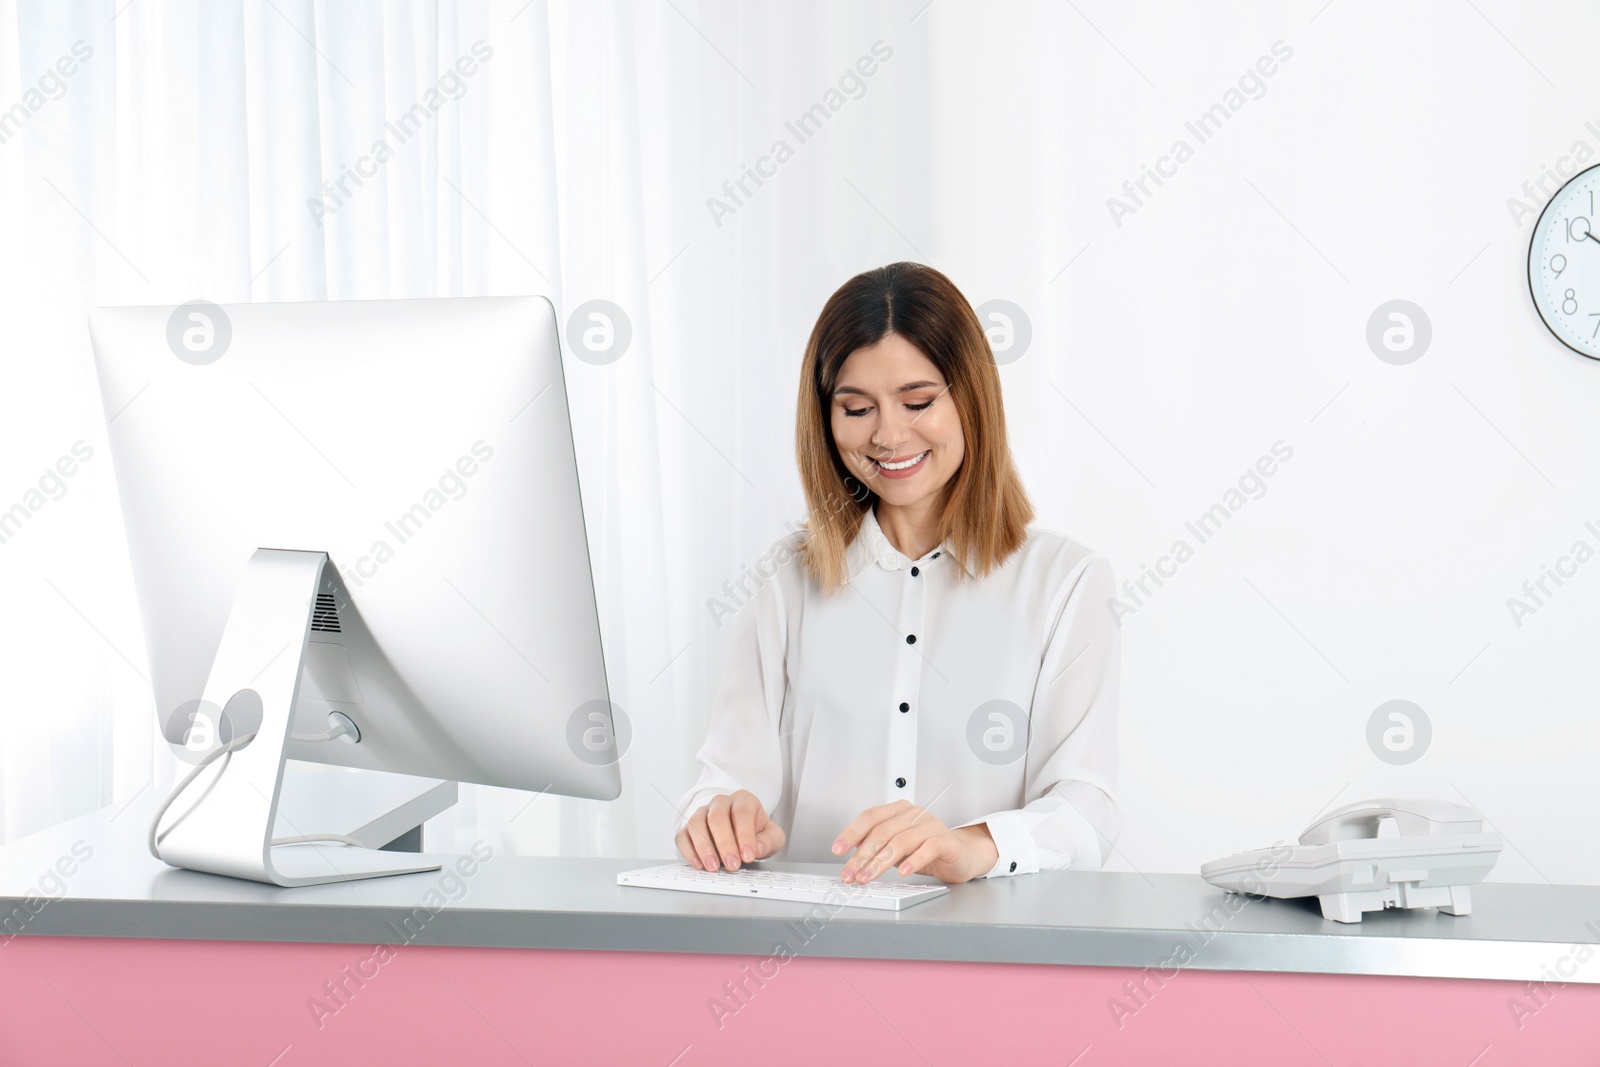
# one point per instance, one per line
(743, 749)
(1072, 820)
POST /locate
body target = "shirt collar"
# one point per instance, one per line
(872, 545)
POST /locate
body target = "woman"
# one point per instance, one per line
(928, 679)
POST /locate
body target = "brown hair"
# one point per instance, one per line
(985, 512)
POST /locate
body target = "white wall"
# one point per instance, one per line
(1229, 313)
(1226, 314)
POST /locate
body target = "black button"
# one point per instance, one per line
(1013, 865)
(915, 572)
(901, 782)
(936, 555)
(911, 639)
(904, 706)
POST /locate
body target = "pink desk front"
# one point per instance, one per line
(527, 960)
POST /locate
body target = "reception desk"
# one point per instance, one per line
(108, 956)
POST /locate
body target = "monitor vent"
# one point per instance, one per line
(326, 618)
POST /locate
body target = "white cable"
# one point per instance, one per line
(210, 758)
(339, 730)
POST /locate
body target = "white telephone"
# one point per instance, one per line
(1440, 849)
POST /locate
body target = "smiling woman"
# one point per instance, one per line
(897, 367)
(953, 712)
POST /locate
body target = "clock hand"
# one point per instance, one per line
(1593, 238)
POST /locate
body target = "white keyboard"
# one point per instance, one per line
(778, 885)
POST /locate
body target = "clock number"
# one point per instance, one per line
(1558, 263)
(1595, 315)
(1570, 299)
(1575, 234)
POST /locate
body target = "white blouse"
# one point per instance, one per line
(992, 701)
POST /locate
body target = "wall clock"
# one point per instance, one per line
(1564, 264)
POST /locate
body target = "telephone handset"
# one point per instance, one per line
(1412, 817)
(1438, 850)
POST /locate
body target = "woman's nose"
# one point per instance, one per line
(892, 432)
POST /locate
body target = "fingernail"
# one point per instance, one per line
(838, 847)
(733, 861)
(749, 853)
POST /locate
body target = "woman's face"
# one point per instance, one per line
(891, 404)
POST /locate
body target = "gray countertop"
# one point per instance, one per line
(1519, 932)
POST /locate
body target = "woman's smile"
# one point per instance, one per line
(901, 466)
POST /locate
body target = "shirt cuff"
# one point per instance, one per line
(1013, 840)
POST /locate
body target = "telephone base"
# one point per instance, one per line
(1347, 907)
(1350, 867)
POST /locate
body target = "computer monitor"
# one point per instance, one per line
(357, 538)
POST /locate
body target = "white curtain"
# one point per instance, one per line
(213, 150)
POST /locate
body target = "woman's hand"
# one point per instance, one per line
(905, 836)
(730, 829)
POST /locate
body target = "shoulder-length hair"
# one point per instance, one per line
(985, 511)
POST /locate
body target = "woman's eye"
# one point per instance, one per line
(858, 412)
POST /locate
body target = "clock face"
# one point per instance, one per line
(1564, 264)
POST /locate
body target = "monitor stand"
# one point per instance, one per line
(228, 829)
(379, 809)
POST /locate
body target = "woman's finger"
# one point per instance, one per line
(923, 855)
(719, 820)
(685, 845)
(772, 838)
(747, 816)
(852, 835)
(902, 843)
(876, 838)
(700, 837)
